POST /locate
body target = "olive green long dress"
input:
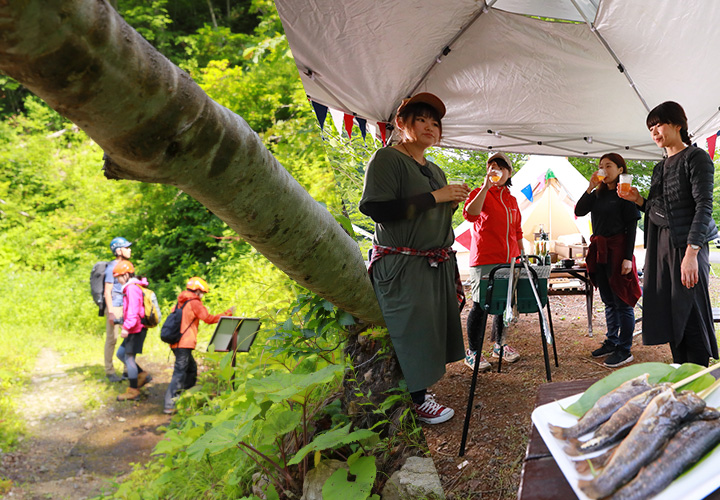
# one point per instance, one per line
(418, 302)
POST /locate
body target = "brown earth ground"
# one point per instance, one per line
(500, 424)
(79, 443)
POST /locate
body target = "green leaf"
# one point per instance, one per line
(339, 487)
(346, 319)
(686, 370)
(224, 436)
(279, 424)
(656, 371)
(332, 439)
(346, 224)
(279, 387)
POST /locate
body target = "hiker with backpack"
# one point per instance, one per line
(133, 331)
(189, 310)
(112, 293)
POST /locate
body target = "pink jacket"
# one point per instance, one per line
(133, 305)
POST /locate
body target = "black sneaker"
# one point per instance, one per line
(605, 349)
(619, 358)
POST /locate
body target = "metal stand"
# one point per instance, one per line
(534, 283)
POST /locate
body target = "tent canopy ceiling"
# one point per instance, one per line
(512, 82)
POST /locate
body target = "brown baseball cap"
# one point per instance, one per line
(427, 98)
(500, 155)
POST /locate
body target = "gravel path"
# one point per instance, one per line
(79, 438)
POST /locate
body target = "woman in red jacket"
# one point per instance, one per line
(185, 370)
(496, 238)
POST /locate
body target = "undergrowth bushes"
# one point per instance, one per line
(258, 428)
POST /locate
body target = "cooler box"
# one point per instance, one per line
(526, 302)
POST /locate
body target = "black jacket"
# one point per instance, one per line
(687, 190)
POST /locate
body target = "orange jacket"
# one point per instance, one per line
(192, 313)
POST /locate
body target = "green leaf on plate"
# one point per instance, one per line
(656, 372)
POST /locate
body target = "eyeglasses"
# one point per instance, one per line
(425, 170)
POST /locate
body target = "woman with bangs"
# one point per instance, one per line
(413, 268)
(610, 260)
(678, 227)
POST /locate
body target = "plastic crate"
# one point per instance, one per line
(526, 302)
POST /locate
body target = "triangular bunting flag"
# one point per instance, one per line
(321, 113)
(711, 145)
(373, 130)
(348, 124)
(528, 192)
(337, 118)
(362, 124)
(383, 132)
(550, 175)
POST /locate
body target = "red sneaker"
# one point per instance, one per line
(432, 412)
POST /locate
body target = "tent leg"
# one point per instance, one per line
(552, 333)
(545, 349)
(473, 383)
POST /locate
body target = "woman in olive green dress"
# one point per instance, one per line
(412, 266)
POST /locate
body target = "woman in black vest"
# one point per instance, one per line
(678, 226)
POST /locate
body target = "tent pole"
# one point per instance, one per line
(486, 6)
(621, 66)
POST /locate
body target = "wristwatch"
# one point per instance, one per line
(695, 247)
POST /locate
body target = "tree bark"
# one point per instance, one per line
(157, 125)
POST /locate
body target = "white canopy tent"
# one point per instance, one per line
(513, 82)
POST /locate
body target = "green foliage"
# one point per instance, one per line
(257, 415)
(307, 329)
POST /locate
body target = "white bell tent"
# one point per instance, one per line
(513, 82)
(547, 189)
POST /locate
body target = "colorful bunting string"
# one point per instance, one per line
(345, 121)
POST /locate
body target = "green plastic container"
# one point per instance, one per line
(526, 302)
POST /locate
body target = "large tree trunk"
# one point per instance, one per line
(157, 125)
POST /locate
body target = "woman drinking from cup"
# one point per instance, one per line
(610, 261)
(678, 226)
(412, 266)
(496, 238)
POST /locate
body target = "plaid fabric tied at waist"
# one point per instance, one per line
(434, 257)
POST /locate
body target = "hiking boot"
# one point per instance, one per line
(605, 349)
(618, 358)
(131, 394)
(125, 376)
(113, 378)
(483, 364)
(509, 354)
(143, 378)
(432, 412)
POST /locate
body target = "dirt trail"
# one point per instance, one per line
(76, 446)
